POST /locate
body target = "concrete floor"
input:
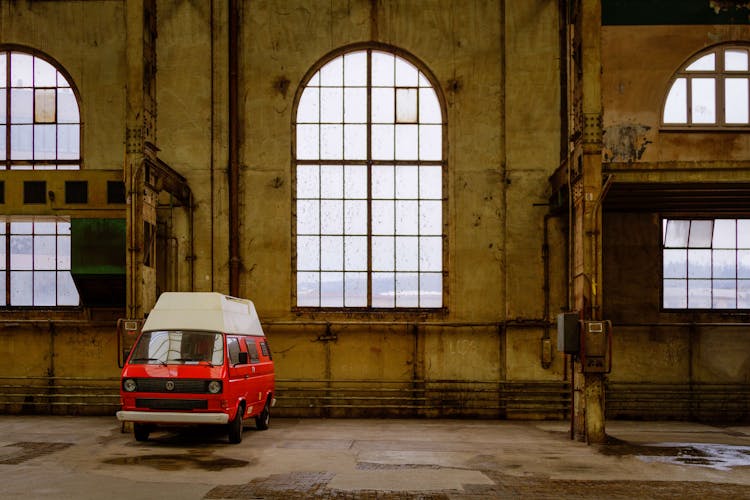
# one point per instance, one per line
(90, 458)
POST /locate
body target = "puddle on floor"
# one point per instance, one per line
(180, 462)
(714, 456)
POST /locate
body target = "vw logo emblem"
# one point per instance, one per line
(169, 385)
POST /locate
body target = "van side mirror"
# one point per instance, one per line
(242, 358)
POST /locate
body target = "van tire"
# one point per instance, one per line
(141, 432)
(264, 419)
(236, 426)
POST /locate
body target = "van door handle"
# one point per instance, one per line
(247, 376)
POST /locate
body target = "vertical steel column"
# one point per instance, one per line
(234, 149)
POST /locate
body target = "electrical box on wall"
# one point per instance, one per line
(596, 346)
(568, 333)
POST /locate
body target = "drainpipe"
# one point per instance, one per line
(234, 167)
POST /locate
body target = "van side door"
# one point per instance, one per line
(239, 372)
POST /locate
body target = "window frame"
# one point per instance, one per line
(57, 164)
(719, 76)
(369, 162)
(712, 277)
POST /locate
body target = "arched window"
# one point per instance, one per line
(710, 90)
(368, 168)
(40, 125)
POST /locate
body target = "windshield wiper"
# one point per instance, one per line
(134, 360)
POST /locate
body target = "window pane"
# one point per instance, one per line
(743, 294)
(63, 252)
(45, 252)
(355, 142)
(331, 217)
(407, 290)
(675, 294)
(743, 233)
(699, 294)
(675, 108)
(382, 182)
(332, 105)
(735, 60)
(332, 289)
(355, 181)
(21, 142)
(21, 70)
(2, 252)
(382, 142)
(699, 263)
(307, 142)
(382, 69)
(407, 253)
(429, 106)
(431, 142)
(331, 181)
(383, 290)
(308, 181)
(430, 290)
(21, 288)
(45, 142)
(736, 95)
(355, 105)
(407, 142)
(331, 253)
(21, 106)
(355, 69)
(743, 264)
(21, 252)
(3, 75)
(430, 254)
(308, 289)
(407, 181)
(725, 233)
(724, 294)
(44, 106)
(308, 110)
(407, 74)
(308, 253)
(383, 217)
(67, 106)
(308, 217)
(407, 215)
(701, 233)
(705, 63)
(430, 218)
(383, 253)
(3, 151)
(355, 253)
(675, 263)
(3, 109)
(331, 142)
(67, 294)
(431, 182)
(724, 264)
(2, 288)
(332, 74)
(45, 75)
(68, 142)
(383, 105)
(703, 100)
(406, 105)
(355, 289)
(677, 233)
(355, 217)
(45, 288)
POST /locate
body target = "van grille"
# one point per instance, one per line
(181, 386)
(172, 404)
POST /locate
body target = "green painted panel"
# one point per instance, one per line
(98, 246)
(653, 12)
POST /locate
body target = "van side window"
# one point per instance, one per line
(265, 350)
(252, 350)
(233, 348)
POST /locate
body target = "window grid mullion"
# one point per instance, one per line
(368, 119)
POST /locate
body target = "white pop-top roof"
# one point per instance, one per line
(204, 311)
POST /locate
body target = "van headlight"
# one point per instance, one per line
(214, 387)
(129, 385)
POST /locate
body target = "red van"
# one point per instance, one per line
(201, 358)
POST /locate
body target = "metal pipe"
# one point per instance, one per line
(234, 167)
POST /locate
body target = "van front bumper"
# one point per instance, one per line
(172, 417)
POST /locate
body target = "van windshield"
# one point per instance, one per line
(179, 347)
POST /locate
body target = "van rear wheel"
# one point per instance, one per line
(141, 432)
(264, 419)
(235, 427)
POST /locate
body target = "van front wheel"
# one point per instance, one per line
(262, 420)
(235, 427)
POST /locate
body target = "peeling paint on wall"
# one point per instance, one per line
(625, 142)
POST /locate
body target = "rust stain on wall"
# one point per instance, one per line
(625, 142)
